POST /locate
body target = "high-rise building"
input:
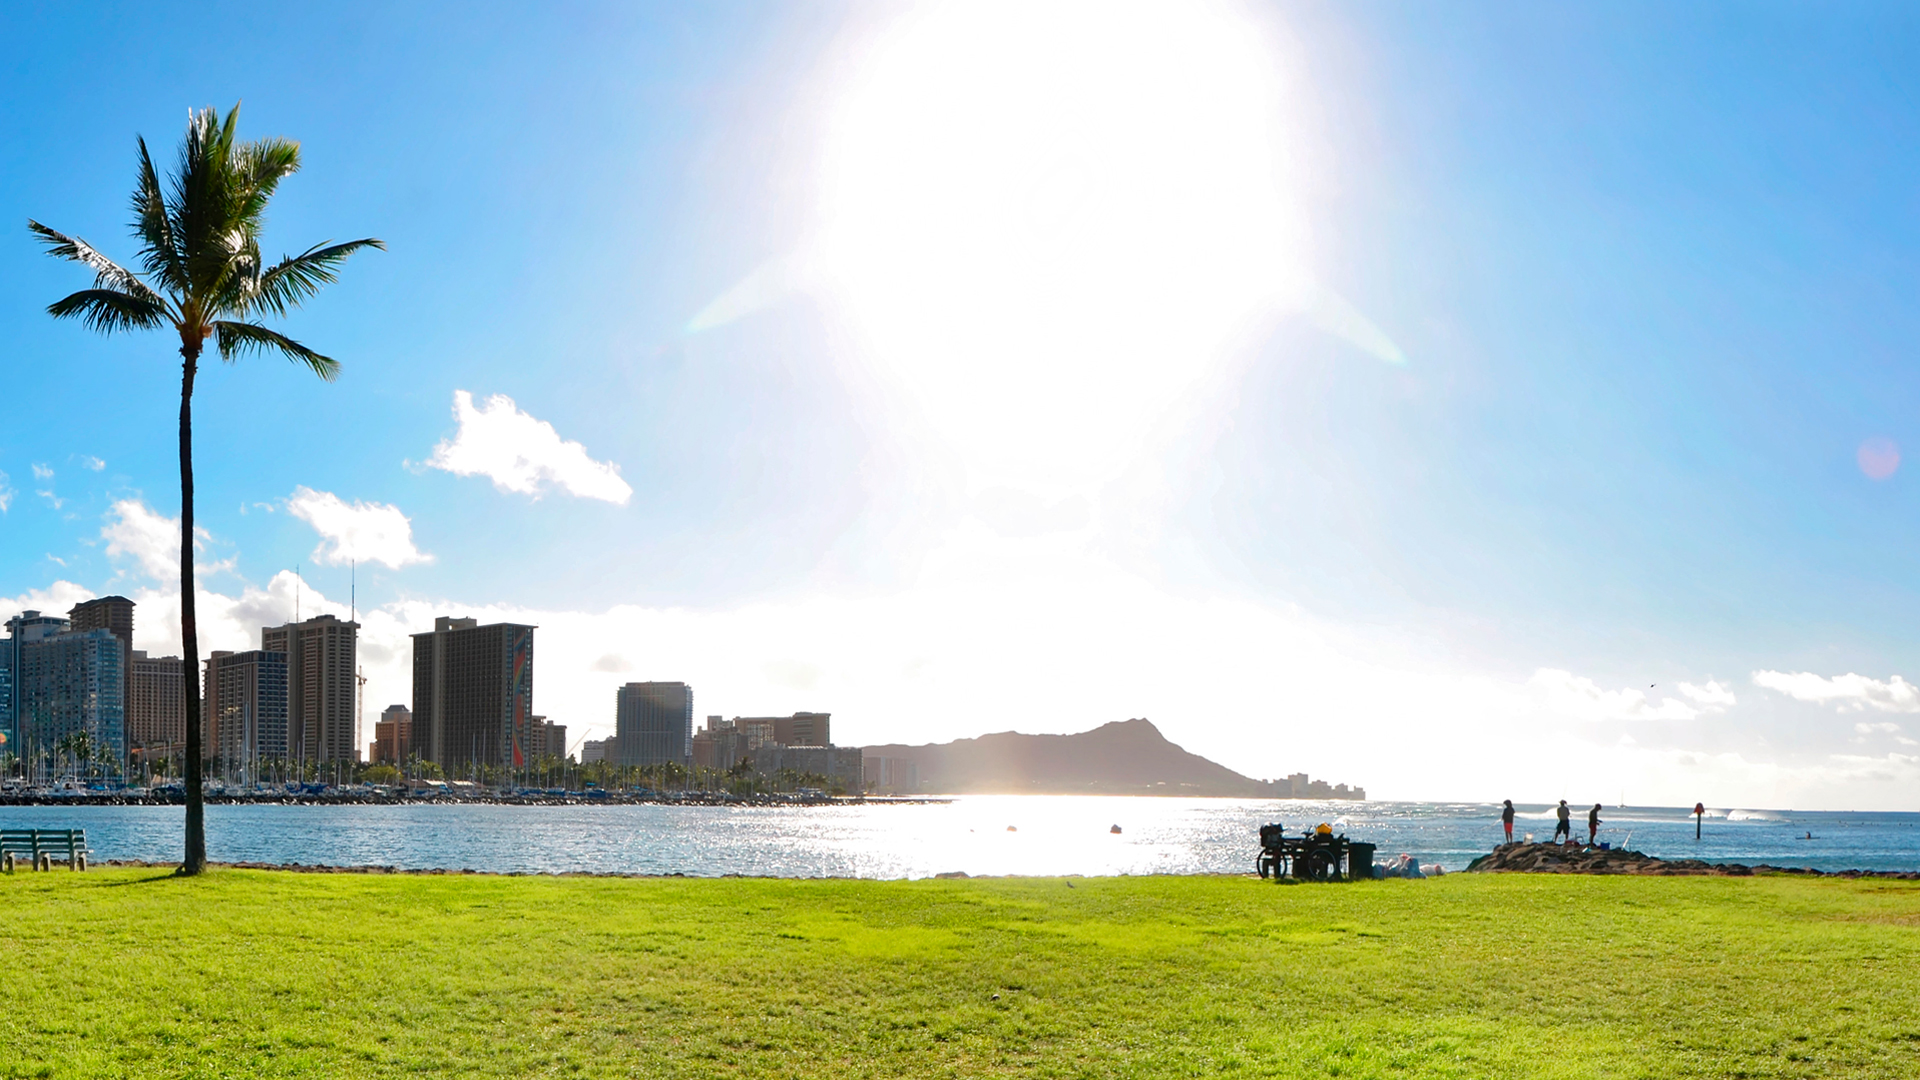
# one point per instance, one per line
(110, 613)
(547, 738)
(756, 730)
(6, 697)
(392, 735)
(803, 729)
(890, 775)
(473, 694)
(244, 707)
(322, 688)
(800, 729)
(28, 626)
(66, 684)
(654, 723)
(720, 745)
(593, 750)
(156, 705)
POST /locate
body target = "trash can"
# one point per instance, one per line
(1359, 861)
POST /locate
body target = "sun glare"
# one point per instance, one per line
(1047, 220)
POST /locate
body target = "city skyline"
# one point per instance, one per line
(1487, 384)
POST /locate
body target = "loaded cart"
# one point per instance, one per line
(1318, 855)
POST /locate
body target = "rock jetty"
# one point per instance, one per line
(1581, 859)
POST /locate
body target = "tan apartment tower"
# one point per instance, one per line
(112, 613)
(243, 707)
(322, 660)
(392, 736)
(156, 707)
(473, 695)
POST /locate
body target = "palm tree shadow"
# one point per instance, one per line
(168, 876)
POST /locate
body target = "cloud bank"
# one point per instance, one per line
(357, 531)
(1581, 698)
(1262, 688)
(1849, 692)
(136, 530)
(522, 454)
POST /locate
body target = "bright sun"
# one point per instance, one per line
(1048, 219)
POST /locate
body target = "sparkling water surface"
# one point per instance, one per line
(1049, 835)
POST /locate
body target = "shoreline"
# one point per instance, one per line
(1537, 858)
(1658, 868)
(692, 798)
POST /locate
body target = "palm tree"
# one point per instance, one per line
(80, 749)
(202, 276)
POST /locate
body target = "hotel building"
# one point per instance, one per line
(473, 694)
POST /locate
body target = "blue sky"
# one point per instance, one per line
(1395, 392)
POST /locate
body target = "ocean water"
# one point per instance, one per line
(1011, 834)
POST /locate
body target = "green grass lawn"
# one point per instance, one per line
(241, 973)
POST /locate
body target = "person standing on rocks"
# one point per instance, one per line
(1565, 823)
(1593, 823)
(1506, 817)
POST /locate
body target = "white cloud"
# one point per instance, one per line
(1580, 698)
(6, 493)
(362, 531)
(1849, 692)
(522, 454)
(135, 529)
(56, 501)
(94, 463)
(1713, 696)
(42, 472)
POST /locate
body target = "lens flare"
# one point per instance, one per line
(1879, 457)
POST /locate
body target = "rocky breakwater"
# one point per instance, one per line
(1581, 859)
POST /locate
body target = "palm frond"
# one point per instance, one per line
(295, 278)
(203, 202)
(220, 199)
(153, 223)
(236, 339)
(233, 294)
(108, 310)
(260, 166)
(107, 274)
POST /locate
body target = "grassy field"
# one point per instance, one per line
(242, 973)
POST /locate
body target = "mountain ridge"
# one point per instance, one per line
(1122, 757)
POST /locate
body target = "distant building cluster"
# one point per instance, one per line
(801, 743)
(1300, 786)
(76, 697)
(653, 725)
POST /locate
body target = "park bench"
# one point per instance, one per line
(42, 846)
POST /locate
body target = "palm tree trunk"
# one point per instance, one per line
(196, 855)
